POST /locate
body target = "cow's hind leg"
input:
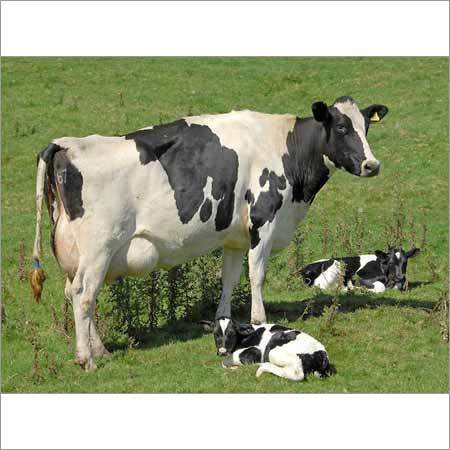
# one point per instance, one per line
(85, 287)
(98, 349)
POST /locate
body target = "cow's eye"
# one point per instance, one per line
(341, 129)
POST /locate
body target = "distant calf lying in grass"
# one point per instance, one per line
(376, 272)
(279, 350)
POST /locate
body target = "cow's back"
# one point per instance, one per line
(181, 185)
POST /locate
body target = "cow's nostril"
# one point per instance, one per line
(370, 167)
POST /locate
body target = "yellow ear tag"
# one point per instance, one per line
(375, 117)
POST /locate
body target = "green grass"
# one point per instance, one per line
(387, 343)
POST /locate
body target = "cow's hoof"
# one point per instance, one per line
(259, 372)
(87, 364)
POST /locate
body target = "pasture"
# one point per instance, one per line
(390, 342)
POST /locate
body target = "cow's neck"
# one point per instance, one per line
(304, 163)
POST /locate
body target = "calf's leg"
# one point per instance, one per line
(289, 372)
(283, 364)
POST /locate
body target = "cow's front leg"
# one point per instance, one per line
(257, 262)
(231, 272)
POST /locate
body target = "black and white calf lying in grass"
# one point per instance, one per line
(375, 272)
(279, 350)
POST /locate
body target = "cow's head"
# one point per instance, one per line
(396, 261)
(227, 333)
(346, 128)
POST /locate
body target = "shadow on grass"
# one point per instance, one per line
(184, 330)
(180, 331)
(347, 303)
(417, 284)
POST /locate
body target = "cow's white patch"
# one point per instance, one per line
(222, 350)
(378, 287)
(223, 325)
(330, 277)
(329, 164)
(286, 358)
(352, 111)
(397, 254)
(265, 338)
(207, 194)
(364, 259)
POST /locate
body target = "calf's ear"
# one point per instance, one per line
(413, 252)
(320, 111)
(375, 112)
(207, 325)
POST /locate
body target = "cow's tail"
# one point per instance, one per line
(37, 275)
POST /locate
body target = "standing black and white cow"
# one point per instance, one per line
(377, 272)
(282, 351)
(160, 196)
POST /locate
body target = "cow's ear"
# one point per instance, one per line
(207, 325)
(375, 112)
(320, 111)
(413, 252)
(381, 255)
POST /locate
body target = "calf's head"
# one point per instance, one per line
(228, 333)
(395, 263)
(346, 127)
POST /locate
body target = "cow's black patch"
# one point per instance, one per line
(275, 328)
(303, 163)
(368, 274)
(267, 205)
(49, 187)
(249, 196)
(250, 355)
(70, 184)
(252, 339)
(190, 154)
(206, 210)
(48, 153)
(154, 142)
(371, 270)
(279, 338)
(317, 362)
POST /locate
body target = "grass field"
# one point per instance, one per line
(384, 343)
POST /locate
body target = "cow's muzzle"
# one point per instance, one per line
(370, 168)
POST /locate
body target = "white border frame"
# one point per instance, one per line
(203, 28)
(271, 28)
